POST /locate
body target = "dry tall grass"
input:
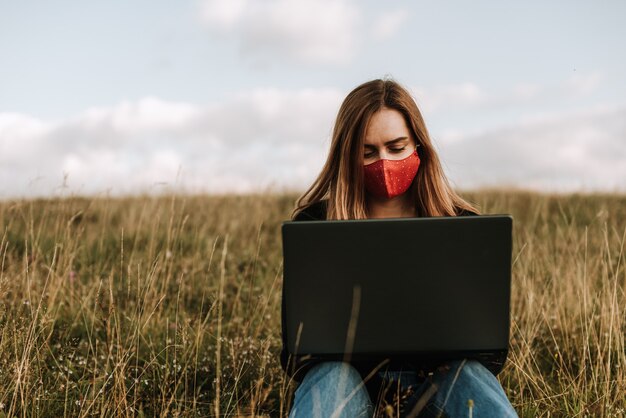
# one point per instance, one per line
(171, 306)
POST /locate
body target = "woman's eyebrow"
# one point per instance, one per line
(388, 142)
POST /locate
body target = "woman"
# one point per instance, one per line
(382, 164)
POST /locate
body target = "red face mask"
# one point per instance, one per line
(389, 178)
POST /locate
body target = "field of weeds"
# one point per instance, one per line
(170, 306)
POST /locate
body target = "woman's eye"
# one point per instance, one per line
(394, 150)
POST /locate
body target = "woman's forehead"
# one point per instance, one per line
(386, 125)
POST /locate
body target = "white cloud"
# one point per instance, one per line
(268, 136)
(225, 14)
(577, 151)
(253, 139)
(525, 91)
(26, 134)
(147, 113)
(20, 126)
(451, 95)
(472, 95)
(582, 84)
(306, 31)
(388, 24)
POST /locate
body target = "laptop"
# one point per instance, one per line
(408, 292)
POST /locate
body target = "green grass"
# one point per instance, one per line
(171, 306)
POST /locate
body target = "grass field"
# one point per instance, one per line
(171, 306)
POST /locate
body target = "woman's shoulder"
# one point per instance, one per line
(465, 212)
(315, 211)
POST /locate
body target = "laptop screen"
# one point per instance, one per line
(397, 286)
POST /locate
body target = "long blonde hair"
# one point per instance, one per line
(341, 179)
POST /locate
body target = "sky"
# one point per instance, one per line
(240, 96)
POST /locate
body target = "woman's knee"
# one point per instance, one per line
(334, 370)
(331, 388)
(465, 380)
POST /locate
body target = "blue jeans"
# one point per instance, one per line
(466, 389)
